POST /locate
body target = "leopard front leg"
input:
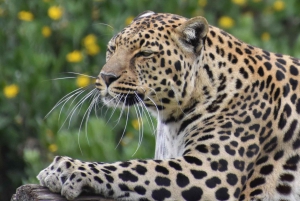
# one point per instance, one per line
(70, 177)
(184, 178)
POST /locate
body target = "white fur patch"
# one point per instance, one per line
(147, 14)
(190, 33)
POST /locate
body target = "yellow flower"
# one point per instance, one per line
(82, 81)
(90, 39)
(93, 49)
(90, 43)
(278, 5)
(129, 20)
(226, 22)
(74, 57)
(55, 12)
(25, 16)
(11, 91)
(202, 3)
(46, 31)
(239, 2)
(52, 147)
(265, 36)
(136, 124)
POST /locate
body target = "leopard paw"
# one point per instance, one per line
(65, 175)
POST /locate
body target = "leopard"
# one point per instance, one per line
(228, 117)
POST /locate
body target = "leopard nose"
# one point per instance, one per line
(108, 78)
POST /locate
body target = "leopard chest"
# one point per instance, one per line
(169, 143)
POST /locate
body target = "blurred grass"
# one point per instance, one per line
(42, 40)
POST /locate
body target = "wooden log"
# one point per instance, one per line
(34, 192)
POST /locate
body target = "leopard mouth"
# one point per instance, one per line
(123, 99)
(132, 99)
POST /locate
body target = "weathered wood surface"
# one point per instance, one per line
(34, 192)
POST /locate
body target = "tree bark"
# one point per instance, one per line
(35, 192)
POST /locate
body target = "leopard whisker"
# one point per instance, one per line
(158, 112)
(148, 115)
(96, 105)
(64, 99)
(124, 130)
(93, 101)
(139, 119)
(95, 98)
(122, 110)
(152, 99)
(71, 102)
(86, 116)
(155, 105)
(106, 25)
(116, 106)
(116, 97)
(142, 115)
(124, 103)
(141, 127)
(80, 102)
(93, 77)
(61, 78)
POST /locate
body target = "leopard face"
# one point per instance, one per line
(153, 64)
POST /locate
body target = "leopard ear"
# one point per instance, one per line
(193, 32)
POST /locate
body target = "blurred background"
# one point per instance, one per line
(49, 46)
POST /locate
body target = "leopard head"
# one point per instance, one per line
(151, 62)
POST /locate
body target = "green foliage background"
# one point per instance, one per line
(31, 61)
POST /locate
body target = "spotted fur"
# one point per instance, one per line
(228, 117)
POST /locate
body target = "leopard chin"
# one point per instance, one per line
(122, 100)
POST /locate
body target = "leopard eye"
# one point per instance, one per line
(145, 53)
